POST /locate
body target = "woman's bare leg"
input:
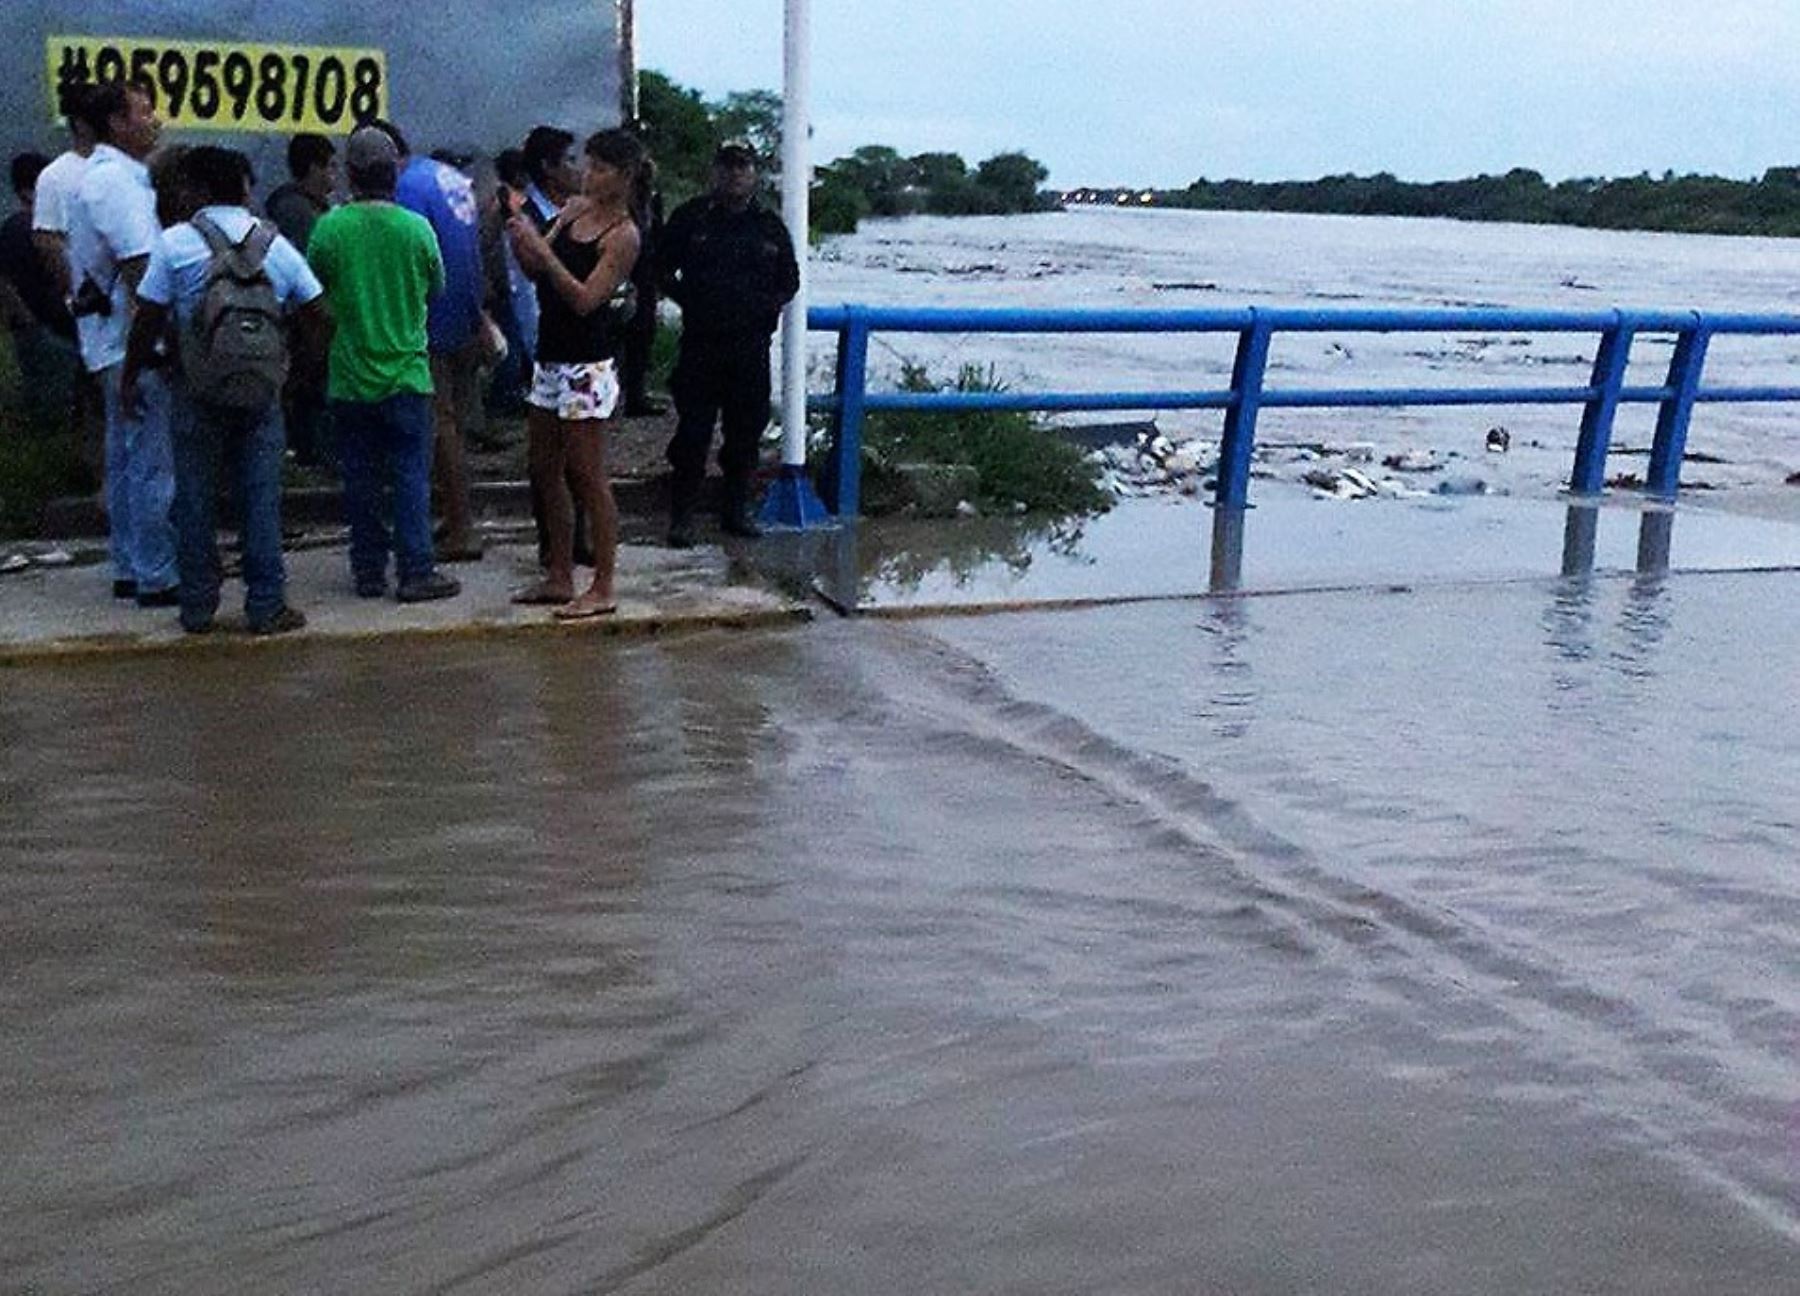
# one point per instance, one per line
(585, 449)
(549, 469)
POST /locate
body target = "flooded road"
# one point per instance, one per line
(1343, 943)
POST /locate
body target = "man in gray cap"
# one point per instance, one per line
(379, 265)
(729, 263)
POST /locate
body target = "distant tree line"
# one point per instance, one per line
(877, 181)
(1692, 204)
(682, 128)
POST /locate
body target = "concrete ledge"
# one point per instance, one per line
(68, 613)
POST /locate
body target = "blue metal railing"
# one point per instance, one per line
(1248, 395)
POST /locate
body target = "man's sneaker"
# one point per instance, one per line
(161, 598)
(424, 589)
(681, 531)
(644, 407)
(287, 619)
(196, 625)
(124, 589)
(371, 587)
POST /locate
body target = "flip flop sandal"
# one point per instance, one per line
(569, 612)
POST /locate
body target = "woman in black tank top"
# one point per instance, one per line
(578, 267)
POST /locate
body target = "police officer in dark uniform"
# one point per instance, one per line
(728, 262)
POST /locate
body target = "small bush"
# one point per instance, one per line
(38, 455)
(1016, 459)
(663, 350)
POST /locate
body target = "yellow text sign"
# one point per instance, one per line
(233, 86)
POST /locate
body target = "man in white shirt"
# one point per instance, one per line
(57, 185)
(178, 281)
(112, 227)
(56, 188)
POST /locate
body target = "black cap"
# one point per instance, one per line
(736, 152)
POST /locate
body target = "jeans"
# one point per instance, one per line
(384, 448)
(253, 443)
(140, 484)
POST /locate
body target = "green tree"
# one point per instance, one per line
(932, 170)
(1013, 179)
(678, 131)
(838, 203)
(753, 115)
(884, 177)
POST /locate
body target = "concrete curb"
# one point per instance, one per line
(224, 641)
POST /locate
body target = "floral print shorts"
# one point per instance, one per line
(574, 392)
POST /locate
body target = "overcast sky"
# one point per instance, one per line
(1157, 92)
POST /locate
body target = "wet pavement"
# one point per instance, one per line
(69, 609)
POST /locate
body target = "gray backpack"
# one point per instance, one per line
(234, 350)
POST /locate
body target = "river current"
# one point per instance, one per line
(1124, 259)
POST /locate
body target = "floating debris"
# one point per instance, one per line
(1354, 484)
(1499, 440)
(1155, 463)
(16, 562)
(1414, 461)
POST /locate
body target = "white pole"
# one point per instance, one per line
(796, 196)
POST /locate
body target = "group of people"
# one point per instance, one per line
(215, 337)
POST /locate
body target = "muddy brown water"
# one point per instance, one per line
(1184, 948)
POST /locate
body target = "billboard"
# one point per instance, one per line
(468, 75)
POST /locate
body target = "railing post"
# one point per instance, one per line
(1664, 477)
(1239, 439)
(1588, 477)
(847, 419)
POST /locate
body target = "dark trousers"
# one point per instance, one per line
(718, 380)
(307, 418)
(639, 344)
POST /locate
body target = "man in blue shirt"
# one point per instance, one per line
(455, 325)
(177, 280)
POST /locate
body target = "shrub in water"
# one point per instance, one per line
(1017, 460)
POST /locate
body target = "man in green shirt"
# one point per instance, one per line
(379, 264)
